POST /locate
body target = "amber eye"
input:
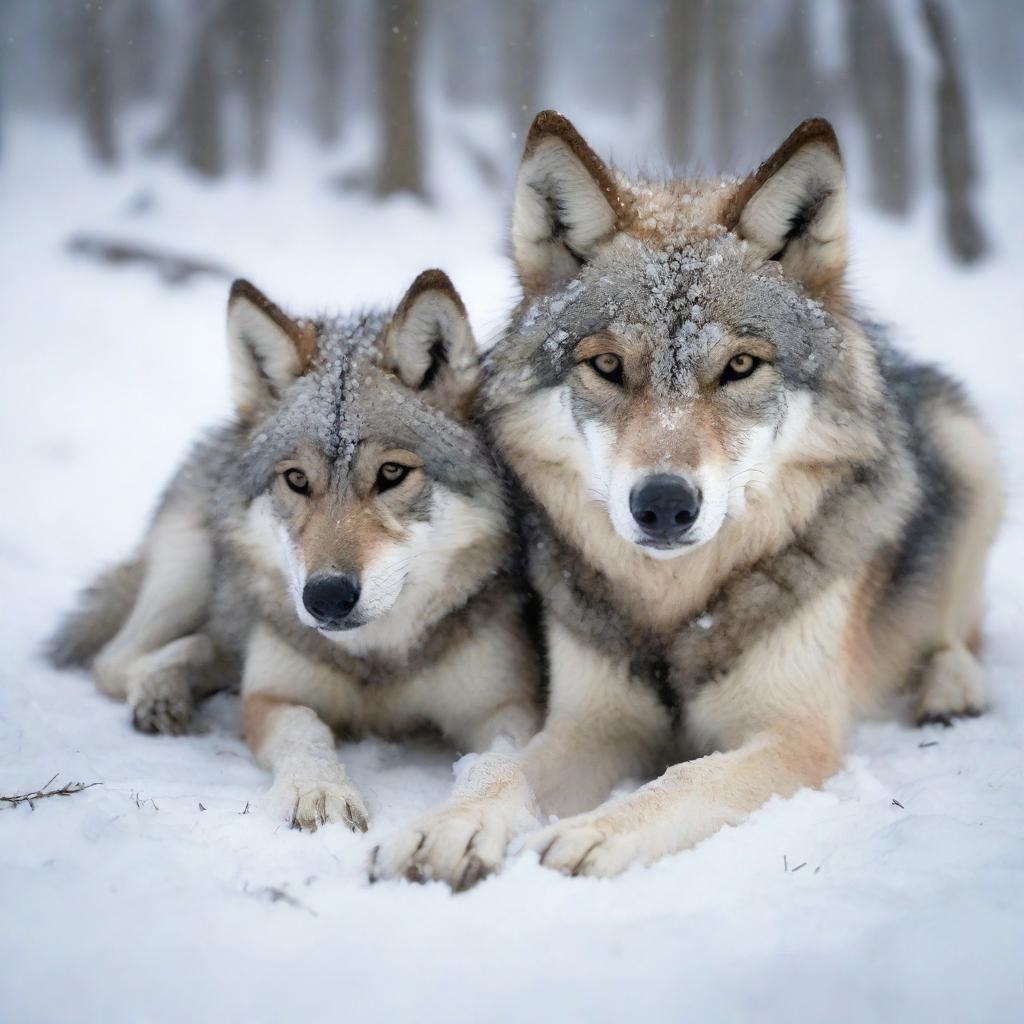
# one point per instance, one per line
(391, 474)
(740, 366)
(297, 481)
(608, 365)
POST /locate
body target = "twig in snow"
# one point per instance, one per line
(44, 791)
(927, 743)
(896, 803)
(785, 863)
(245, 809)
(798, 867)
(277, 895)
(201, 807)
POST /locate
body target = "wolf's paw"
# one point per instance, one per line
(459, 845)
(595, 844)
(169, 715)
(952, 686)
(308, 803)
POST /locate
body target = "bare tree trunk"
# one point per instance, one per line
(955, 150)
(522, 60)
(791, 70)
(250, 29)
(138, 49)
(681, 69)
(398, 31)
(326, 46)
(721, 18)
(194, 129)
(880, 88)
(94, 94)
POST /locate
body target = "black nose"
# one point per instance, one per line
(664, 506)
(329, 599)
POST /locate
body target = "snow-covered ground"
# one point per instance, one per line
(895, 894)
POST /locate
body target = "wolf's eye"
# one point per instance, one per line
(740, 366)
(391, 474)
(297, 481)
(608, 365)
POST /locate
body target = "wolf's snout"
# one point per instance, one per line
(330, 598)
(664, 506)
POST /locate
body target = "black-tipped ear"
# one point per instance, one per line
(430, 345)
(267, 348)
(566, 203)
(793, 207)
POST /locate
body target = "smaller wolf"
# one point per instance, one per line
(343, 547)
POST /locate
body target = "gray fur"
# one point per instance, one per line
(680, 300)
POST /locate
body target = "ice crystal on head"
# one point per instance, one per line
(677, 298)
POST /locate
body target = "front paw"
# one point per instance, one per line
(459, 846)
(161, 703)
(308, 803)
(595, 845)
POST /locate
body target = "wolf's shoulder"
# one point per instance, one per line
(914, 385)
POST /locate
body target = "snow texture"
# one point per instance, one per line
(165, 894)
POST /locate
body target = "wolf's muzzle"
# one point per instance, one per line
(330, 598)
(664, 506)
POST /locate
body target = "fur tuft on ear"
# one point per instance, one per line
(430, 345)
(267, 348)
(793, 207)
(566, 203)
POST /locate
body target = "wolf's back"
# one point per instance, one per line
(101, 611)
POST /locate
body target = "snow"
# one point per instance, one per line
(896, 894)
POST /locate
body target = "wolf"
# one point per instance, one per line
(343, 547)
(749, 517)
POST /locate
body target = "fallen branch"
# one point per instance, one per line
(44, 791)
(173, 268)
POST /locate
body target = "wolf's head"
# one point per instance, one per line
(363, 481)
(673, 338)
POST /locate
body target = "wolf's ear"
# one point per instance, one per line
(267, 348)
(793, 207)
(430, 344)
(566, 203)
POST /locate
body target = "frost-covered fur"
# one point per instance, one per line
(351, 458)
(846, 499)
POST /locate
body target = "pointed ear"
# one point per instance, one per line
(267, 349)
(430, 344)
(566, 203)
(793, 207)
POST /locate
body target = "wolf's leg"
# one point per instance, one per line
(952, 681)
(311, 786)
(601, 727)
(688, 803)
(172, 599)
(161, 684)
(778, 717)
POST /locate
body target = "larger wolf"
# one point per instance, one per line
(750, 518)
(343, 545)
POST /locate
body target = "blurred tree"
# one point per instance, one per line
(724, 86)
(138, 37)
(790, 67)
(955, 148)
(91, 50)
(522, 60)
(879, 71)
(398, 53)
(249, 30)
(193, 130)
(325, 44)
(680, 59)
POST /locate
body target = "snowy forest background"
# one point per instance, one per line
(221, 86)
(150, 150)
